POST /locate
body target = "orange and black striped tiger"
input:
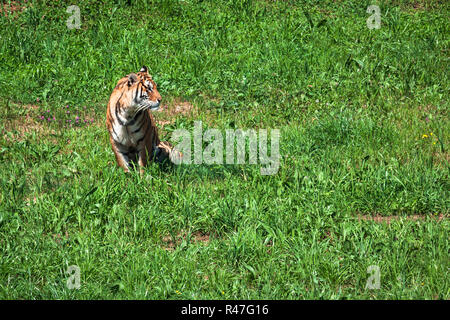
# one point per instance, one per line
(132, 130)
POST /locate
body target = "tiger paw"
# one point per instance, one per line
(163, 151)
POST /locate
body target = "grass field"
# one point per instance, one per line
(364, 174)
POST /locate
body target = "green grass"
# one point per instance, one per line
(352, 105)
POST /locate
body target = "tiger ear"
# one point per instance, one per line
(132, 78)
(144, 69)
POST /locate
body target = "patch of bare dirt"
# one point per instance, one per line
(58, 237)
(17, 129)
(197, 237)
(171, 110)
(184, 107)
(441, 158)
(162, 123)
(177, 107)
(418, 6)
(422, 5)
(389, 219)
(11, 8)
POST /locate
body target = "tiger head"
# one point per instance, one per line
(141, 92)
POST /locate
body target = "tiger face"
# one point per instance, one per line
(142, 92)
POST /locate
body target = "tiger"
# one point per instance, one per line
(132, 129)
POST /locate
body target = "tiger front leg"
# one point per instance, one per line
(122, 160)
(142, 160)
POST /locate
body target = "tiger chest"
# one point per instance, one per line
(131, 134)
